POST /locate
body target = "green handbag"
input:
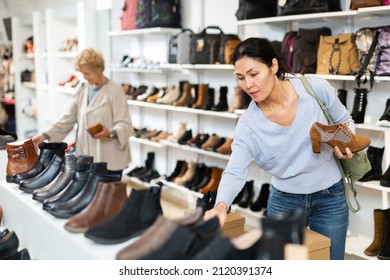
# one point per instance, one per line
(351, 169)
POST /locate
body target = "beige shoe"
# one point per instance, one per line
(179, 133)
(191, 166)
(172, 94)
(226, 148)
(211, 142)
(162, 135)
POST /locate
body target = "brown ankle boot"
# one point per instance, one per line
(336, 135)
(106, 203)
(226, 148)
(379, 232)
(22, 156)
(185, 97)
(212, 185)
(202, 92)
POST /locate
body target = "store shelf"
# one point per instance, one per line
(43, 234)
(356, 245)
(182, 109)
(143, 31)
(146, 142)
(29, 85)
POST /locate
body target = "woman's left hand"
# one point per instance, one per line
(340, 155)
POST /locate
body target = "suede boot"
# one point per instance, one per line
(375, 156)
(212, 185)
(76, 185)
(60, 182)
(141, 210)
(226, 147)
(46, 153)
(81, 200)
(379, 231)
(384, 251)
(185, 96)
(106, 203)
(43, 178)
(21, 158)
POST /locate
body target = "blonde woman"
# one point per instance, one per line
(99, 100)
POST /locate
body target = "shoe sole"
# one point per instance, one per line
(113, 241)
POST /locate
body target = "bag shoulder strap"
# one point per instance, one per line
(347, 179)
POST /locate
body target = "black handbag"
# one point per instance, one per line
(205, 46)
(295, 7)
(248, 9)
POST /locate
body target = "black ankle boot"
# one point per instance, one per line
(247, 196)
(375, 156)
(60, 182)
(262, 200)
(384, 120)
(149, 164)
(198, 174)
(140, 211)
(6, 137)
(82, 199)
(277, 232)
(385, 179)
(46, 154)
(222, 104)
(359, 105)
(342, 95)
(9, 244)
(209, 99)
(43, 178)
(75, 186)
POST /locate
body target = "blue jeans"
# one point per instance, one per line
(327, 213)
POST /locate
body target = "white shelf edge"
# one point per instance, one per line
(375, 185)
(355, 245)
(195, 150)
(145, 142)
(372, 127)
(143, 31)
(182, 109)
(136, 70)
(31, 85)
(67, 90)
(66, 54)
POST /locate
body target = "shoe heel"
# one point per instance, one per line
(316, 146)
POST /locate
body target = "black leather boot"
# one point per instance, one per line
(82, 199)
(342, 95)
(385, 179)
(9, 244)
(149, 164)
(140, 211)
(83, 171)
(60, 182)
(247, 196)
(222, 103)
(6, 137)
(359, 105)
(375, 156)
(209, 99)
(43, 178)
(176, 171)
(262, 200)
(384, 120)
(202, 181)
(185, 137)
(22, 255)
(277, 232)
(46, 153)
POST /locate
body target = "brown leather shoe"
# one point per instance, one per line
(202, 91)
(336, 135)
(22, 156)
(212, 185)
(106, 203)
(225, 148)
(210, 142)
(94, 129)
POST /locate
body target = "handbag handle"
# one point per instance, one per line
(204, 31)
(347, 179)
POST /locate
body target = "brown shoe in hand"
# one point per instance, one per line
(336, 135)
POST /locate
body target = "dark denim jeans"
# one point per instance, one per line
(327, 210)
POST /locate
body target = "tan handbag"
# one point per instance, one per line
(337, 55)
(356, 4)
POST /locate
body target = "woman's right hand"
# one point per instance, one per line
(220, 210)
(38, 139)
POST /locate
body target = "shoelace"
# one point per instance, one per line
(330, 136)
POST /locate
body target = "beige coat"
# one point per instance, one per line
(109, 107)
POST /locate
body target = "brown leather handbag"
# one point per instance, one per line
(337, 55)
(93, 129)
(356, 4)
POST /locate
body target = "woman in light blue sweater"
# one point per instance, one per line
(274, 132)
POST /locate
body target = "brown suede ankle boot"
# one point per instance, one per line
(379, 230)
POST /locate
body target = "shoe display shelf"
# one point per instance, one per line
(370, 194)
(22, 29)
(43, 234)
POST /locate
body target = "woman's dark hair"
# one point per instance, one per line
(262, 50)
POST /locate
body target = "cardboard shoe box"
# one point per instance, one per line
(234, 225)
(318, 246)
